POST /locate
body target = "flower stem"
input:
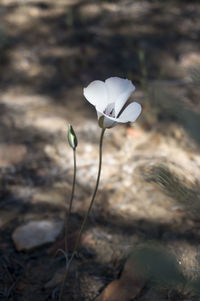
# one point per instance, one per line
(68, 213)
(87, 214)
(67, 218)
(93, 197)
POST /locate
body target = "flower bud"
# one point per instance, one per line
(73, 142)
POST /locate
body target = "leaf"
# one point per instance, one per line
(127, 287)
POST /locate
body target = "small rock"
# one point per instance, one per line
(35, 234)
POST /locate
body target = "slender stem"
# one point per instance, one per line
(93, 197)
(87, 214)
(67, 218)
(68, 213)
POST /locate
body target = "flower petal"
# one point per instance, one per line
(96, 93)
(110, 110)
(107, 122)
(119, 90)
(99, 114)
(131, 113)
(122, 99)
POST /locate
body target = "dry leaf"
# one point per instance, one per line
(127, 287)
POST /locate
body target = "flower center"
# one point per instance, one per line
(110, 110)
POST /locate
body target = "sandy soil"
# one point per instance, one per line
(149, 194)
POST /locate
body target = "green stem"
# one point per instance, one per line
(93, 197)
(67, 218)
(68, 213)
(87, 214)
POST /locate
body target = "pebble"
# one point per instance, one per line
(35, 234)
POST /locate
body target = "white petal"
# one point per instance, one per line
(108, 123)
(122, 99)
(96, 94)
(131, 113)
(110, 110)
(99, 114)
(119, 90)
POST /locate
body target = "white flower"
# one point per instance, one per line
(109, 98)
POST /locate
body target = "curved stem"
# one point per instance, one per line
(87, 214)
(67, 218)
(93, 197)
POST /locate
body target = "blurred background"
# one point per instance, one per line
(149, 190)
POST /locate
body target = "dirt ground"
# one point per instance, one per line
(142, 239)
